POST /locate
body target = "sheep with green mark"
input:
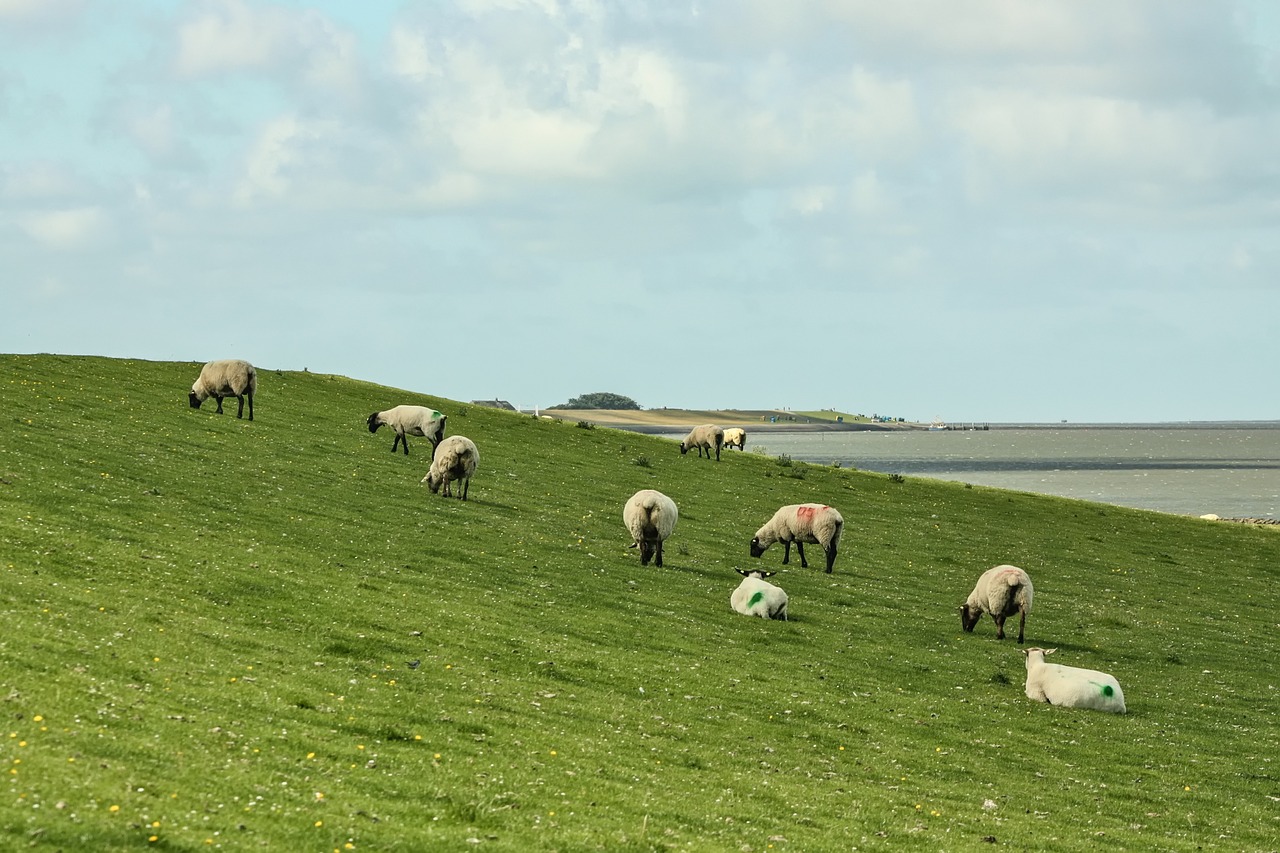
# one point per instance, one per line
(650, 517)
(410, 420)
(1071, 686)
(755, 596)
(1002, 592)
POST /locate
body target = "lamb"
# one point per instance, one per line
(800, 523)
(1071, 686)
(735, 437)
(410, 420)
(228, 377)
(1002, 592)
(703, 437)
(455, 458)
(757, 597)
(651, 517)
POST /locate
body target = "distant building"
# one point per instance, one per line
(494, 404)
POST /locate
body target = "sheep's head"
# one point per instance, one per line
(969, 617)
(684, 448)
(756, 548)
(434, 481)
(647, 550)
(374, 422)
(194, 399)
(755, 573)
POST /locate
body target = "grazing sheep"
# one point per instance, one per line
(455, 458)
(410, 420)
(757, 597)
(650, 516)
(1071, 686)
(1002, 592)
(800, 523)
(735, 437)
(228, 377)
(703, 437)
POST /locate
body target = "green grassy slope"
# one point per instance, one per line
(220, 634)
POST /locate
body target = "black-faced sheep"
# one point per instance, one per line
(703, 437)
(455, 459)
(650, 517)
(800, 523)
(1002, 592)
(735, 437)
(757, 597)
(410, 420)
(228, 377)
(1071, 686)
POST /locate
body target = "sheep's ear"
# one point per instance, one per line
(743, 572)
(1049, 651)
(767, 574)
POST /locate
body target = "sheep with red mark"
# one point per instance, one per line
(703, 437)
(755, 596)
(800, 523)
(410, 420)
(1071, 686)
(1002, 592)
(650, 517)
(735, 437)
(228, 377)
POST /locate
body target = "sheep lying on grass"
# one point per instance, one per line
(735, 437)
(757, 597)
(800, 523)
(410, 420)
(228, 377)
(1071, 686)
(1002, 592)
(650, 516)
(455, 459)
(703, 437)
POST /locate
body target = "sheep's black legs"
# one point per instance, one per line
(1022, 624)
(657, 557)
(831, 558)
(999, 620)
(786, 552)
(240, 411)
(219, 399)
(800, 547)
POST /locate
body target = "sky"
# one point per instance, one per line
(989, 210)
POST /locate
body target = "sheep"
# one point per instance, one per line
(800, 523)
(703, 437)
(228, 377)
(735, 437)
(1071, 686)
(410, 420)
(1002, 592)
(650, 516)
(455, 458)
(757, 597)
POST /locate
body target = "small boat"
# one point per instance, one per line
(938, 425)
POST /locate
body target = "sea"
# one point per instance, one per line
(1227, 469)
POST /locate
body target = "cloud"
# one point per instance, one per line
(67, 230)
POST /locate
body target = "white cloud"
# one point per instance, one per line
(66, 230)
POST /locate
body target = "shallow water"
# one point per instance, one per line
(1231, 471)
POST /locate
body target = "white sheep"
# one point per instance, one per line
(757, 597)
(410, 420)
(800, 523)
(228, 377)
(455, 458)
(1002, 592)
(650, 517)
(703, 437)
(735, 437)
(1071, 686)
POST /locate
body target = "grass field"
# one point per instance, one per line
(220, 634)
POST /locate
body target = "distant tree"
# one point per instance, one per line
(600, 400)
